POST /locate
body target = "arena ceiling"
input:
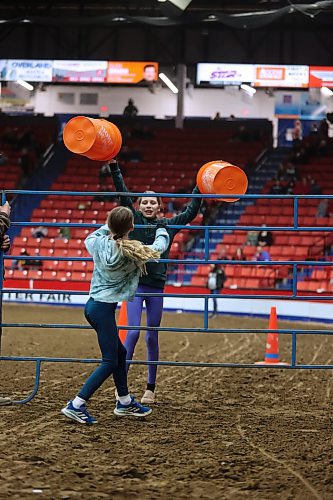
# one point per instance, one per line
(271, 31)
(235, 13)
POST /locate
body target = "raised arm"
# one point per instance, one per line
(190, 212)
(91, 239)
(162, 239)
(120, 185)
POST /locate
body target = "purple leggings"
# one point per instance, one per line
(154, 309)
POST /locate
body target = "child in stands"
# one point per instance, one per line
(118, 264)
(154, 281)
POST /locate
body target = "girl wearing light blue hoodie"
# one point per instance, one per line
(118, 264)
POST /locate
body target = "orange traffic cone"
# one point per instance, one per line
(272, 356)
(122, 320)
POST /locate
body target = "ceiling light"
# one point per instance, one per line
(168, 82)
(24, 84)
(326, 91)
(247, 88)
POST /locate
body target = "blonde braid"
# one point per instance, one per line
(137, 252)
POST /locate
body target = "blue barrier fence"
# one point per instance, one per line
(205, 260)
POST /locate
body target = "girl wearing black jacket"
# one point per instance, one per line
(154, 280)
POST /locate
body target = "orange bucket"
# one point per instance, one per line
(95, 138)
(220, 177)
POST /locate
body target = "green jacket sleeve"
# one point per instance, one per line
(120, 185)
(189, 213)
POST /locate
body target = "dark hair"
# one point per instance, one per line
(148, 66)
(159, 199)
(120, 221)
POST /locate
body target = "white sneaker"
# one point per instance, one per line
(148, 397)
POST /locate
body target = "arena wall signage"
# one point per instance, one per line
(132, 72)
(281, 76)
(224, 74)
(321, 76)
(258, 75)
(29, 70)
(79, 71)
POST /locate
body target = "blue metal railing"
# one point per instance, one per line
(293, 295)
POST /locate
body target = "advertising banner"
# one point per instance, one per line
(79, 71)
(321, 76)
(29, 70)
(224, 74)
(132, 72)
(281, 76)
(305, 105)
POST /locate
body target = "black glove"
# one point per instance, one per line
(162, 223)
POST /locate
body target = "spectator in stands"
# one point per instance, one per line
(265, 238)
(65, 233)
(40, 232)
(323, 128)
(322, 209)
(239, 254)
(281, 172)
(130, 110)
(300, 155)
(222, 255)
(4, 246)
(277, 188)
(315, 188)
(216, 280)
(147, 214)
(291, 172)
(217, 116)
(252, 238)
(261, 255)
(26, 264)
(297, 133)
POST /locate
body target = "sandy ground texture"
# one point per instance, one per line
(214, 433)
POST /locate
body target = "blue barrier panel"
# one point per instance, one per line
(293, 295)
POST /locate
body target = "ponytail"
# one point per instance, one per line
(137, 252)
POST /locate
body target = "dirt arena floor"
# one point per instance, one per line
(214, 433)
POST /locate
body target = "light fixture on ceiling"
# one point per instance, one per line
(168, 83)
(248, 89)
(210, 18)
(25, 84)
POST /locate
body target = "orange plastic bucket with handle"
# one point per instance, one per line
(221, 178)
(95, 138)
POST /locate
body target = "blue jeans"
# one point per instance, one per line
(101, 316)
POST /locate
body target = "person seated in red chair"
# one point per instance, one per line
(261, 255)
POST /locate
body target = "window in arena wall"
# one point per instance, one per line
(89, 99)
(66, 97)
